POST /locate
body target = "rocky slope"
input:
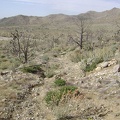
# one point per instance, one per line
(22, 94)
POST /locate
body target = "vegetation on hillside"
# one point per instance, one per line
(48, 66)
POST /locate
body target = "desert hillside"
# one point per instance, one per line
(60, 67)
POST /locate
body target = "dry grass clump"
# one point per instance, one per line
(106, 53)
(6, 60)
(90, 59)
(8, 63)
(50, 69)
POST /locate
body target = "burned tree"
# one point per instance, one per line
(83, 25)
(21, 45)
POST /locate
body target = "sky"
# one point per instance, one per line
(45, 7)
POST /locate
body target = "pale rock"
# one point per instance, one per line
(98, 68)
(112, 62)
(103, 64)
(116, 68)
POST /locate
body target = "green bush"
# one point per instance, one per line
(32, 69)
(90, 67)
(60, 82)
(2, 56)
(93, 65)
(54, 97)
(65, 89)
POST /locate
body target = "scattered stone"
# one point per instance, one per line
(118, 114)
(98, 68)
(4, 73)
(106, 64)
(116, 68)
(112, 62)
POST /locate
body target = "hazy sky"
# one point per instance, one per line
(46, 7)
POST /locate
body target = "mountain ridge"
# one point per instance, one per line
(56, 18)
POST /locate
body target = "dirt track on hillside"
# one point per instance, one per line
(5, 38)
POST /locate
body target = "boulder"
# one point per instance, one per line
(103, 64)
(98, 68)
(106, 64)
(116, 68)
(112, 62)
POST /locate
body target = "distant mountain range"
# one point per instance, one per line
(99, 17)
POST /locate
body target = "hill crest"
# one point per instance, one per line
(55, 18)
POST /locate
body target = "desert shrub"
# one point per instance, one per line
(2, 56)
(72, 48)
(92, 66)
(50, 70)
(76, 57)
(60, 82)
(5, 65)
(49, 73)
(4, 59)
(45, 58)
(35, 69)
(54, 97)
(7, 62)
(54, 66)
(106, 53)
(65, 89)
(15, 63)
